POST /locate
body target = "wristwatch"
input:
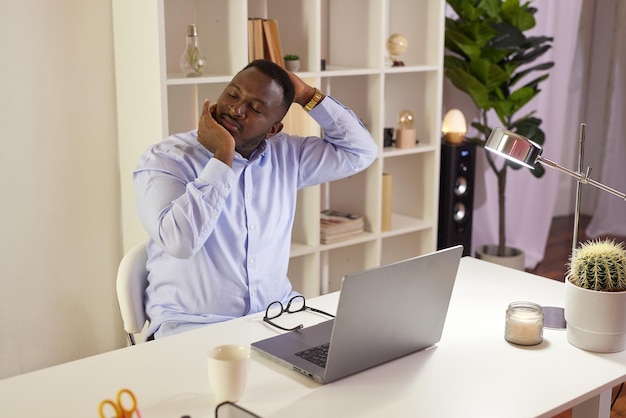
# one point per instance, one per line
(317, 97)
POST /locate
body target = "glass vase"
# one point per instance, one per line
(192, 62)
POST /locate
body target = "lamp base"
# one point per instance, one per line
(454, 138)
(406, 138)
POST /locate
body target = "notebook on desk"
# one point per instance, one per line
(383, 313)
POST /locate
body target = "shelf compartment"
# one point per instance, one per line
(222, 32)
(185, 102)
(304, 274)
(418, 93)
(420, 22)
(349, 195)
(339, 262)
(401, 247)
(358, 47)
(305, 231)
(413, 189)
(362, 94)
(299, 29)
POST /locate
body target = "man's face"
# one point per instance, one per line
(250, 108)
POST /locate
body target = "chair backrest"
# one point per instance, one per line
(132, 280)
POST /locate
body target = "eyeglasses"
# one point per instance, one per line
(295, 304)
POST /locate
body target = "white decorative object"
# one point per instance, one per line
(292, 65)
(397, 45)
(406, 134)
(454, 127)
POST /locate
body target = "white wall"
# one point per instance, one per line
(60, 239)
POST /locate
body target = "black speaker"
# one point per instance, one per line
(456, 196)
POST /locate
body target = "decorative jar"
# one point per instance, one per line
(524, 323)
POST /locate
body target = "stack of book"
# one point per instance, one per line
(264, 40)
(337, 226)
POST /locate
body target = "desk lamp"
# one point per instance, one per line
(523, 151)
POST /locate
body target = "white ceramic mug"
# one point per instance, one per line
(228, 371)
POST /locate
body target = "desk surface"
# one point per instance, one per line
(473, 371)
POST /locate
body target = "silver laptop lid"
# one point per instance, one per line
(390, 311)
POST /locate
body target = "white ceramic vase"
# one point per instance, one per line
(596, 321)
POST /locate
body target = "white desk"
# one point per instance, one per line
(473, 372)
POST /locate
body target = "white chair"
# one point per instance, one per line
(132, 280)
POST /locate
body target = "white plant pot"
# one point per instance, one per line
(513, 257)
(596, 321)
(292, 65)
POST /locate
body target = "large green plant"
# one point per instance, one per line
(488, 57)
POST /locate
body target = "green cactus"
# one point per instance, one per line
(598, 265)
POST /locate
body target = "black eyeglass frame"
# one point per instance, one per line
(289, 310)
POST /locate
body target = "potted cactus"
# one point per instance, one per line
(595, 296)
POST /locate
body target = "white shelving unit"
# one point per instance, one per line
(155, 100)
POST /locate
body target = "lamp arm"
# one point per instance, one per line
(583, 178)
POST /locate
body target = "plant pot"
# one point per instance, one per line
(292, 65)
(596, 321)
(513, 257)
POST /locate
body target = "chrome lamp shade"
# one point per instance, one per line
(513, 147)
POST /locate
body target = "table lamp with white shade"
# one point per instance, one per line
(454, 127)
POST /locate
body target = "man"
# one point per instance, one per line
(218, 202)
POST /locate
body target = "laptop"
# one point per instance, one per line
(383, 313)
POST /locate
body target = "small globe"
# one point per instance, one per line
(397, 44)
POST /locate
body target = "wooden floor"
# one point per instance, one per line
(553, 266)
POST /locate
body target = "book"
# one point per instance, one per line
(257, 30)
(336, 226)
(264, 40)
(273, 48)
(338, 237)
(250, 40)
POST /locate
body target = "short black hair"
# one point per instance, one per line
(279, 75)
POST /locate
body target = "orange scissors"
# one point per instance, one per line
(125, 405)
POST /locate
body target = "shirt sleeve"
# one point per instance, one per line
(178, 201)
(345, 148)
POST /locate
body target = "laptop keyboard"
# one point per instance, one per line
(316, 355)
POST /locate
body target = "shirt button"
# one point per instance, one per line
(252, 261)
(251, 227)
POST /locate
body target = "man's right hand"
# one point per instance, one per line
(214, 136)
(303, 92)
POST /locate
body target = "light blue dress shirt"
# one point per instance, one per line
(219, 236)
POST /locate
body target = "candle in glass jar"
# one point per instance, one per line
(524, 323)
